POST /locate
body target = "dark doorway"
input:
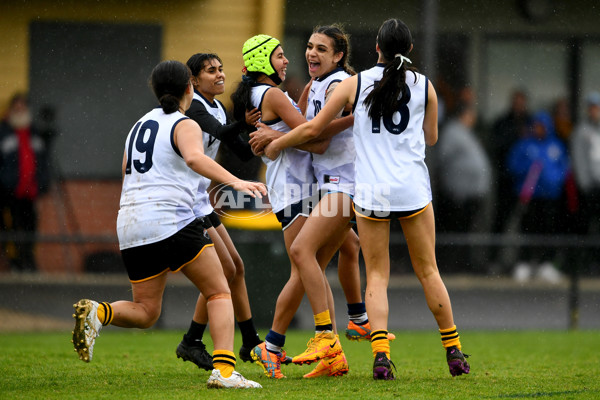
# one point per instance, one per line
(90, 81)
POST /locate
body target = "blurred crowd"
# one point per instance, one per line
(531, 172)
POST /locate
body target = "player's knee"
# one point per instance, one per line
(426, 273)
(151, 316)
(351, 245)
(240, 269)
(218, 296)
(296, 253)
(228, 269)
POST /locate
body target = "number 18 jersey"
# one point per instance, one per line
(159, 189)
(391, 174)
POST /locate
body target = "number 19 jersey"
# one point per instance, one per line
(391, 174)
(159, 189)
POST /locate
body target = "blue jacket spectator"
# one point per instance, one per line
(539, 164)
(543, 148)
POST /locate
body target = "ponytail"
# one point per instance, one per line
(169, 103)
(395, 42)
(391, 91)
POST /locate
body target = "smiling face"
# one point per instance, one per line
(210, 81)
(279, 62)
(320, 55)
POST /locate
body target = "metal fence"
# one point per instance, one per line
(262, 250)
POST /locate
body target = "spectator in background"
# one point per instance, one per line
(563, 125)
(541, 161)
(585, 150)
(464, 176)
(507, 129)
(563, 121)
(24, 176)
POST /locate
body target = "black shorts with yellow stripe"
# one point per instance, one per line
(385, 215)
(213, 219)
(173, 253)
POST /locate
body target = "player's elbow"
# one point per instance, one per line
(190, 163)
(193, 163)
(311, 131)
(321, 147)
(431, 141)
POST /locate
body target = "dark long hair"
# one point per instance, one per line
(241, 98)
(341, 43)
(393, 38)
(169, 80)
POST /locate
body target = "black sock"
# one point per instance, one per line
(250, 336)
(194, 333)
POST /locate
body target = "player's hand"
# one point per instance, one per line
(254, 189)
(271, 151)
(262, 137)
(258, 153)
(252, 116)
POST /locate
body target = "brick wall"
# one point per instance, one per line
(86, 213)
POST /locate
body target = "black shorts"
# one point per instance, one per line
(173, 253)
(213, 219)
(290, 213)
(385, 215)
(326, 192)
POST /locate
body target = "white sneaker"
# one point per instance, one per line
(522, 272)
(235, 381)
(87, 328)
(548, 273)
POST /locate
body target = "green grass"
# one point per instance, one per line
(132, 364)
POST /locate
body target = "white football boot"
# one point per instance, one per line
(235, 381)
(87, 328)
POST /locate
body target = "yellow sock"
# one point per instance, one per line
(105, 313)
(450, 337)
(323, 321)
(380, 343)
(224, 361)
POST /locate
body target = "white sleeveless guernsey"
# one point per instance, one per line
(159, 189)
(391, 174)
(211, 148)
(334, 169)
(289, 177)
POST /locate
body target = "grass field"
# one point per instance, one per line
(132, 364)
